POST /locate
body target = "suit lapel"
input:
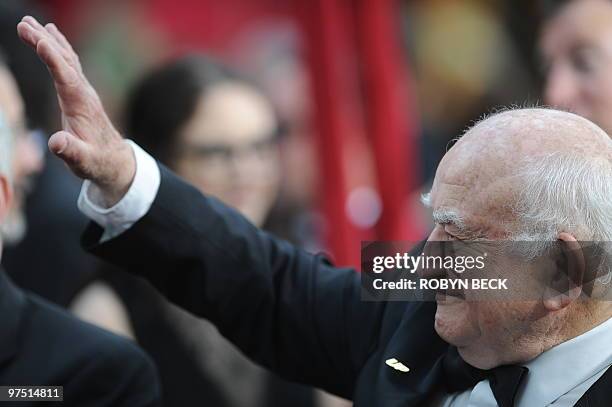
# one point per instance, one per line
(417, 347)
(598, 395)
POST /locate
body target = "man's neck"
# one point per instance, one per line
(552, 332)
(575, 322)
(588, 317)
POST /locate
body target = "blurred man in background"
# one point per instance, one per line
(576, 51)
(39, 343)
(27, 161)
(49, 209)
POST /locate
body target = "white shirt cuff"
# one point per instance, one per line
(132, 207)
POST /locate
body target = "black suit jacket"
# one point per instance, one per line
(289, 310)
(40, 344)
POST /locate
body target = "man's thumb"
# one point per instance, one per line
(71, 149)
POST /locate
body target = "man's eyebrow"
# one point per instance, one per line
(444, 216)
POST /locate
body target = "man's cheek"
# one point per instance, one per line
(495, 318)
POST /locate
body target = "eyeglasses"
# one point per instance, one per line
(224, 156)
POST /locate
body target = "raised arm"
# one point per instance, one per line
(287, 309)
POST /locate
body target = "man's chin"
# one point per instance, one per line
(451, 320)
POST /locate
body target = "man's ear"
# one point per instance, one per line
(6, 197)
(565, 285)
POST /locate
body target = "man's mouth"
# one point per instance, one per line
(444, 295)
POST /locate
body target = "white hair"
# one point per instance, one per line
(565, 192)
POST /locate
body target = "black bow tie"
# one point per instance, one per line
(504, 380)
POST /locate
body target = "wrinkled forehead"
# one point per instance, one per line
(480, 154)
(474, 177)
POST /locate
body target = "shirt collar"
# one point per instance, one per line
(565, 366)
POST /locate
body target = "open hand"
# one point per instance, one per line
(88, 142)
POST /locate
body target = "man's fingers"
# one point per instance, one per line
(33, 22)
(65, 47)
(63, 73)
(62, 63)
(72, 150)
(58, 142)
(59, 37)
(32, 32)
(28, 34)
(36, 30)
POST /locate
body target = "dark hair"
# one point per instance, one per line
(549, 8)
(165, 99)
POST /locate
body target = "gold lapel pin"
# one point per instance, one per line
(397, 365)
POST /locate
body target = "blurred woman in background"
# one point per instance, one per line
(213, 128)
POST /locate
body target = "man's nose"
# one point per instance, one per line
(434, 247)
(437, 234)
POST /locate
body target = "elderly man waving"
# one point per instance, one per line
(533, 173)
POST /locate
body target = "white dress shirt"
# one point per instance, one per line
(557, 377)
(133, 206)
